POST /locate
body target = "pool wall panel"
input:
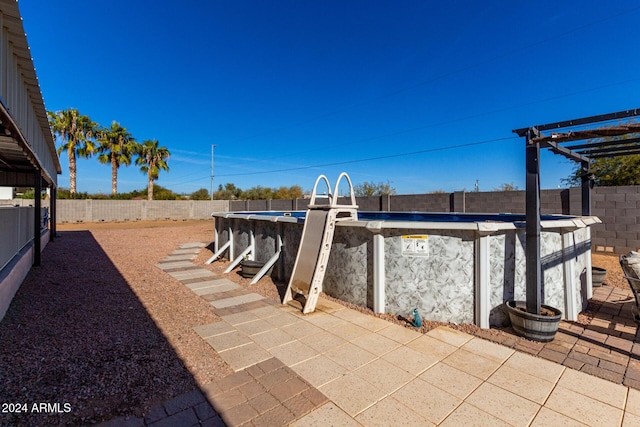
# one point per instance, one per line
(349, 275)
(222, 224)
(440, 285)
(506, 277)
(552, 269)
(241, 230)
(265, 234)
(292, 234)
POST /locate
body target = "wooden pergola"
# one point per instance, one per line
(591, 140)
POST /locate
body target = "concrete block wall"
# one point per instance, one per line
(619, 210)
(617, 207)
(136, 210)
(421, 203)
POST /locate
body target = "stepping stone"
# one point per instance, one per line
(228, 302)
(174, 264)
(210, 284)
(192, 245)
(186, 251)
(215, 289)
(192, 274)
(181, 269)
(182, 257)
(213, 329)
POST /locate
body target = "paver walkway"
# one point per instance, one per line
(337, 366)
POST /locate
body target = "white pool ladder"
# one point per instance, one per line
(308, 272)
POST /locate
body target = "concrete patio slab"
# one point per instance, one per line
(503, 404)
(432, 403)
(339, 366)
(390, 412)
(440, 375)
(582, 408)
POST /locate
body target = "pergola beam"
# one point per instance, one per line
(564, 151)
(600, 144)
(582, 121)
(607, 132)
(608, 151)
(624, 153)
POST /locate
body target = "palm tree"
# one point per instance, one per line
(117, 146)
(152, 159)
(76, 132)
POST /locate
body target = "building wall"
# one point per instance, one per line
(24, 115)
(17, 89)
(6, 193)
(16, 248)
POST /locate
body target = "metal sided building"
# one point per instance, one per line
(27, 157)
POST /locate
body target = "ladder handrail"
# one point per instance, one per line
(351, 192)
(333, 198)
(312, 202)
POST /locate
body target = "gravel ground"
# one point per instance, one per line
(99, 327)
(610, 262)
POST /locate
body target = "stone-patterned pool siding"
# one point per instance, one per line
(265, 234)
(222, 225)
(292, 234)
(441, 285)
(349, 275)
(241, 230)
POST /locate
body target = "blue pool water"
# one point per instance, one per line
(419, 216)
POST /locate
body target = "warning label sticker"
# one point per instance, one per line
(413, 245)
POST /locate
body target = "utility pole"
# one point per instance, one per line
(212, 147)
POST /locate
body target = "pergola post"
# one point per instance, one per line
(586, 188)
(533, 285)
(52, 212)
(586, 211)
(37, 217)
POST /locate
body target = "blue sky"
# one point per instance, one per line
(288, 89)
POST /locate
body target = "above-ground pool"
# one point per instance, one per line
(452, 267)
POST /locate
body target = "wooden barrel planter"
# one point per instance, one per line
(537, 327)
(597, 276)
(250, 268)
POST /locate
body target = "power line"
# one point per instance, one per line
(369, 159)
(416, 129)
(457, 120)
